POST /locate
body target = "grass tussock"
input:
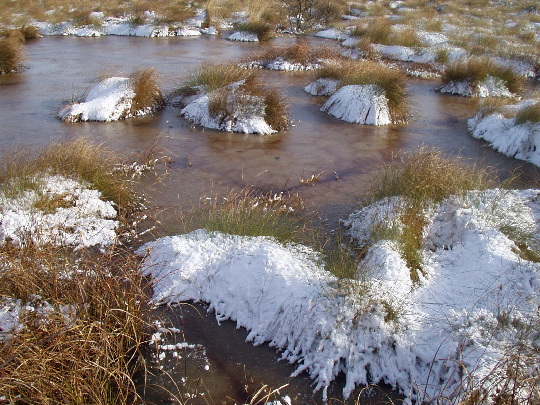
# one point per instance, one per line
(81, 326)
(147, 92)
(530, 114)
(11, 55)
(79, 159)
(476, 70)
(301, 53)
(212, 77)
(264, 31)
(380, 31)
(255, 212)
(424, 178)
(392, 82)
(30, 32)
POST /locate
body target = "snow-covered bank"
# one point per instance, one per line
(384, 328)
(79, 218)
(520, 141)
(110, 100)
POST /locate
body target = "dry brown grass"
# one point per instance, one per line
(211, 77)
(529, 114)
(297, 53)
(82, 326)
(379, 31)
(391, 81)
(11, 55)
(264, 31)
(30, 32)
(146, 89)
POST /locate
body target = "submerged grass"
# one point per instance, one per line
(392, 82)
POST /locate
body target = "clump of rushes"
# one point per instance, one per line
(79, 159)
(476, 70)
(256, 212)
(264, 31)
(298, 53)
(81, 328)
(424, 178)
(146, 89)
(214, 79)
(530, 114)
(391, 81)
(11, 55)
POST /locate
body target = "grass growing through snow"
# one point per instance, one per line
(255, 212)
(476, 70)
(146, 89)
(391, 81)
(424, 178)
(301, 53)
(82, 325)
(79, 159)
(264, 31)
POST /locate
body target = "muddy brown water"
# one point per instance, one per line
(342, 156)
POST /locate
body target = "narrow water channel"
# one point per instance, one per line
(202, 162)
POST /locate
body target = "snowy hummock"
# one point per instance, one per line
(489, 87)
(282, 65)
(282, 295)
(82, 219)
(248, 115)
(243, 36)
(110, 100)
(359, 104)
(322, 87)
(504, 135)
(331, 33)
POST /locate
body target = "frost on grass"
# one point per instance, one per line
(359, 104)
(322, 87)
(243, 36)
(59, 211)
(507, 136)
(111, 100)
(243, 112)
(476, 298)
(491, 86)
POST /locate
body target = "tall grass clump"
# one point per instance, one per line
(392, 82)
(11, 55)
(530, 114)
(476, 70)
(380, 31)
(30, 32)
(264, 31)
(80, 159)
(146, 89)
(81, 325)
(424, 178)
(301, 53)
(212, 77)
(256, 212)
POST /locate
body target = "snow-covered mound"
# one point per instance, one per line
(491, 86)
(110, 100)
(81, 218)
(245, 112)
(243, 36)
(322, 87)
(520, 141)
(282, 295)
(359, 104)
(331, 33)
(282, 65)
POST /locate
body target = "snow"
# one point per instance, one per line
(282, 295)
(243, 36)
(504, 135)
(110, 100)
(322, 87)
(81, 220)
(247, 114)
(359, 104)
(490, 87)
(405, 54)
(282, 65)
(331, 33)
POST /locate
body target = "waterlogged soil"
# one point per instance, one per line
(213, 364)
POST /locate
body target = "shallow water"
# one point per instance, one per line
(62, 69)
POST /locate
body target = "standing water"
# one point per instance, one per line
(217, 362)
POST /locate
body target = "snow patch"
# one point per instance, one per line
(359, 104)
(490, 87)
(243, 36)
(322, 87)
(331, 33)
